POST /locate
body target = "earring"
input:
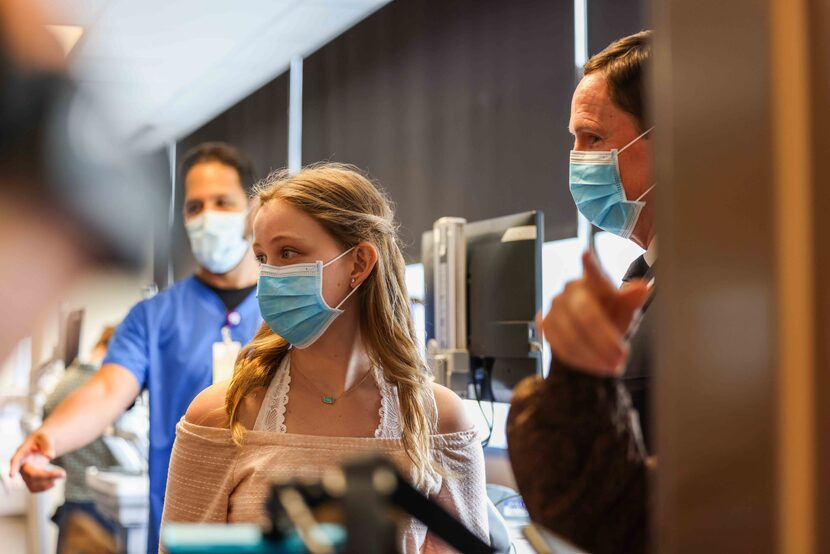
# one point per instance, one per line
(353, 280)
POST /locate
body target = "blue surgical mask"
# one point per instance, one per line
(218, 240)
(597, 190)
(292, 304)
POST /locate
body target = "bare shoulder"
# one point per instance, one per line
(452, 415)
(208, 408)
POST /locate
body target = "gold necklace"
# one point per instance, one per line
(328, 398)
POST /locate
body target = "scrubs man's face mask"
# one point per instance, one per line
(596, 187)
(292, 304)
(218, 239)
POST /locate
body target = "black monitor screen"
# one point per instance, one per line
(69, 341)
(504, 294)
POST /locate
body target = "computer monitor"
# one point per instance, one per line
(69, 336)
(503, 296)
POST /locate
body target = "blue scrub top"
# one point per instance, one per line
(167, 343)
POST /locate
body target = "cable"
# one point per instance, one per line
(477, 389)
(505, 499)
(490, 386)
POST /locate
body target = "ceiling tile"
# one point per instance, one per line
(173, 64)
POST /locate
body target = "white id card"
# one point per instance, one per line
(224, 356)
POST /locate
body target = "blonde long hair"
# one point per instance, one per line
(352, 210)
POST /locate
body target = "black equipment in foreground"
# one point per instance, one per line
(366, 491)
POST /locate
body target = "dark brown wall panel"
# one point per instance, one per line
(457, 107)
(609, 20)
(258, 125)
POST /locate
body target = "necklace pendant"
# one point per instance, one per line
(328, 400)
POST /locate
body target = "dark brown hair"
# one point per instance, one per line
(223, 153)
(623, 65)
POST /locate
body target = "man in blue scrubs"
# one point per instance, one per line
(167, 343)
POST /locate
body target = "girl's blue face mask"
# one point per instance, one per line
(292, 304)
(596, 187)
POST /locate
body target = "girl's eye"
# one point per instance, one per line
(262, 258)
(287, 254)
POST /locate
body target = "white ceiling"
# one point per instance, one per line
(164, 67)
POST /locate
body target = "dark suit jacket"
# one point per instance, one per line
(577, 450)
(637, 377)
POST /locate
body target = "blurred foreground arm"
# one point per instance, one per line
(78, 420)
(579, 461)
(574, 440)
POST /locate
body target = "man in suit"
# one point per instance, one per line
(574, 438)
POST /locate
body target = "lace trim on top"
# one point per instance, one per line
(390, 408)
(271, 415)
(391, 426)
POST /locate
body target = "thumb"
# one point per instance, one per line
(36, 443)
(44, 468)
(19, 458)
(629, 300)
(596, 278)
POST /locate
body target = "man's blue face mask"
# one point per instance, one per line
(292, 304)
(596, 187)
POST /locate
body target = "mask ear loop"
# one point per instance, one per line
(354, 290)
(639, 203)
(646, 192)
(328, 263)
(641, 135)
(644, 133)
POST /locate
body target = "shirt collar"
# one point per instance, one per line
(650, 255)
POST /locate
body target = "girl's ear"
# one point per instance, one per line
(365, 258)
